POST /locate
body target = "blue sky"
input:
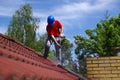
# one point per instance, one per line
(75, 15)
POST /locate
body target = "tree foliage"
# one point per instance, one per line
(106, 36)
(67, 55)
(23, 26)
(84, 48)
(41, 43)
(100, 41)
(66, 51)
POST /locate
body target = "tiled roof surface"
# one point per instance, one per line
(18, 62)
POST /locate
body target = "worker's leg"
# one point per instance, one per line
(58, 53)
(47, 47)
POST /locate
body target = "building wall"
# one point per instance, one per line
(103, 68)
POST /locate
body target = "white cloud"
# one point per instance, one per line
(39, 14)
(6, 11)
(42, 28)
(3, 30)
(73, 11)
(11, 2)
(8, 7)
(64, 12)
(43, 22)
(81, 8)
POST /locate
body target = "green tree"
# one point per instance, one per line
(41, 46)
(41, 43)
(106, 36)
(66, 51)
(23, 26)
(100, 42)
(84, 48)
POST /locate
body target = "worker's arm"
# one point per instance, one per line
(55, 41)
(61, 30)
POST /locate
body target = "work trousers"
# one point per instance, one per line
(49, 42)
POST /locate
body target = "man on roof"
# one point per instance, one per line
(54, 31)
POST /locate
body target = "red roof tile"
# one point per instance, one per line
(18, 61)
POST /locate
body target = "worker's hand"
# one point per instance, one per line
(61, 35)
(58, 45)
(55, 41)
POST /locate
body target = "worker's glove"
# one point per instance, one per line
(62, 35)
